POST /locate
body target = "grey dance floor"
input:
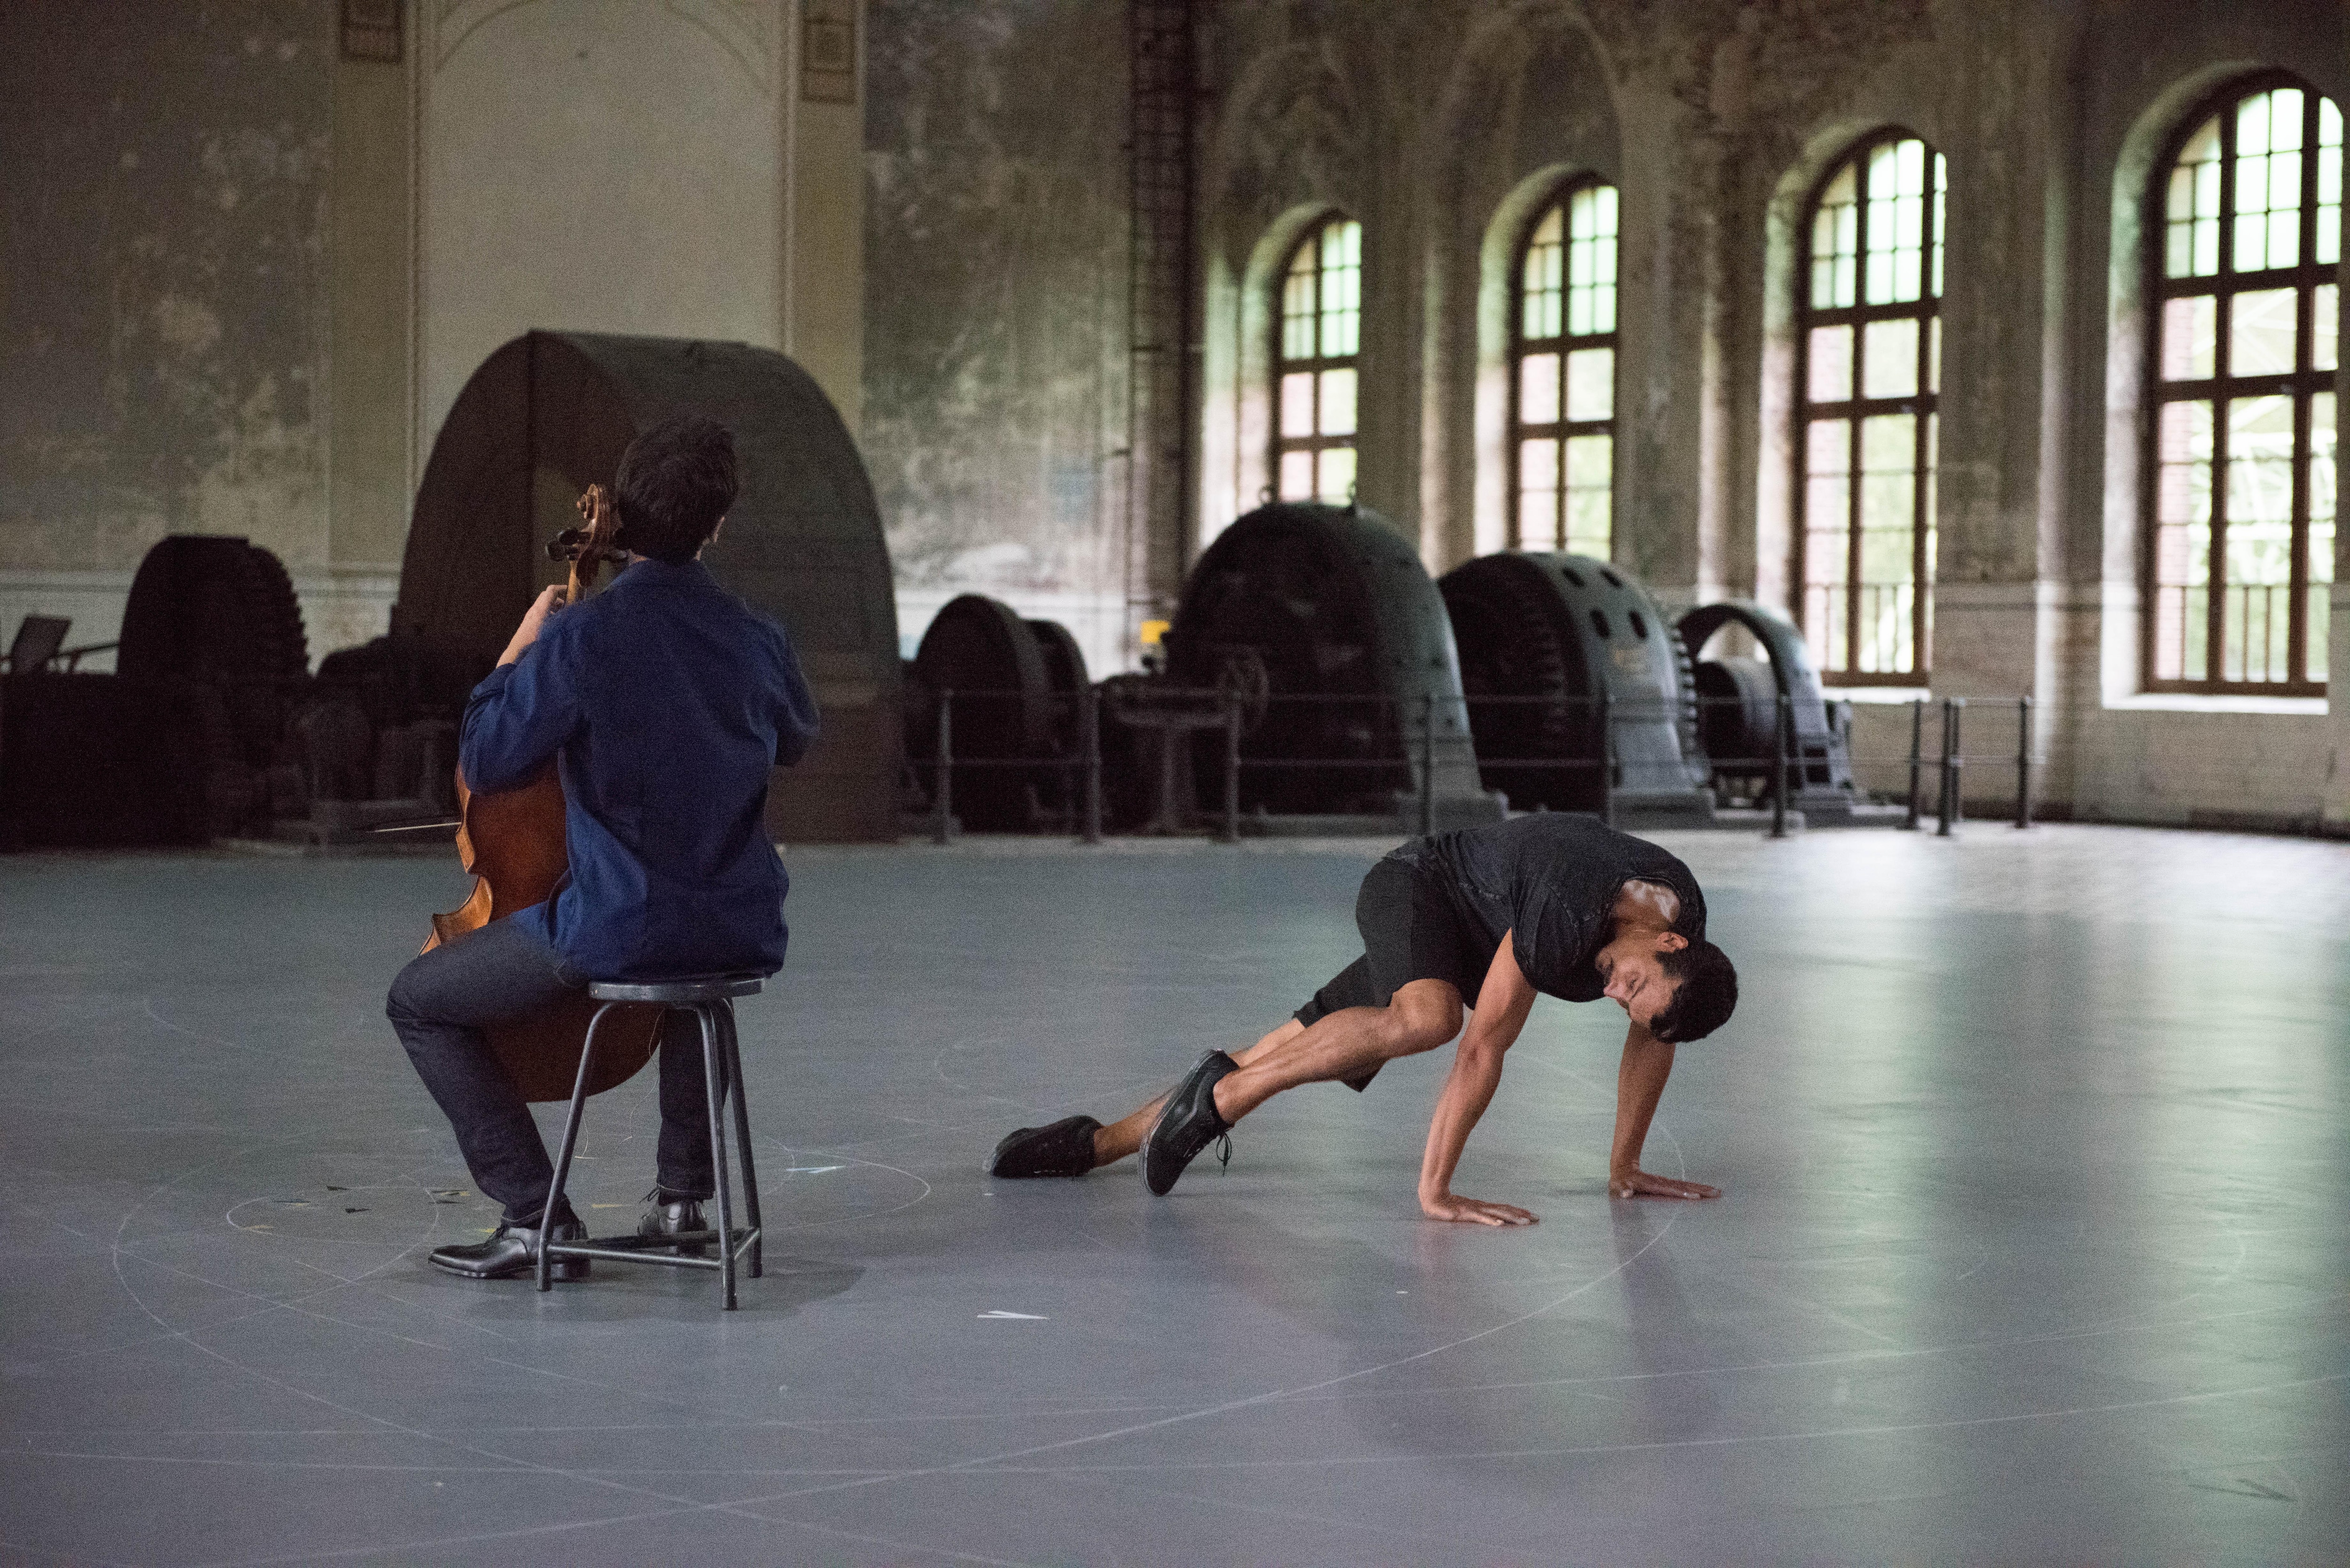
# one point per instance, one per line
(2033, 1246)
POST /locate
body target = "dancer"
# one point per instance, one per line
(667, 701)
(1482, 919)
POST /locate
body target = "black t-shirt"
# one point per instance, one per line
(1551, 879)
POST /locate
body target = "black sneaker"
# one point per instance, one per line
(1065, 1149)
(1187, 1124)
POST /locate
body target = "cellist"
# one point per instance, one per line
(663, 701)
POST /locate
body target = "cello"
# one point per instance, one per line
(514, 843)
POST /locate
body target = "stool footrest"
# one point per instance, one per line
(634, 1249)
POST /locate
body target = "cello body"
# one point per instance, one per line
(514, 844)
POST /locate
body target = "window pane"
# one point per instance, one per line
(2182, 539)
(2262, 327)
(1836, 237)
(1591, 384)
(1297, 308)
(1538, 390)
(1591, 260)
(2321, 436)
(1934, 355)
(2329, 183)
(1831, 364)
(1297, 403)
(1891, 359)
(2191, 338)
(1297, 476)
(1341, 288)
(1590, 473)
(2326, 327)
(1337, 417)
(2191, 247)
(2256, 611)
(1545, 256)
(2268, 179)
(1889, 516)
(1336, 473)
(1538, 495)
(1941, 184)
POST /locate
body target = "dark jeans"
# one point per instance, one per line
(507, 970)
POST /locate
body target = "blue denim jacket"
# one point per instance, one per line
(665, 700)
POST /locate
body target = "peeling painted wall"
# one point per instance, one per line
(163, 283)
(994, 338)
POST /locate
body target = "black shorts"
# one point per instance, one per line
(1411, 931)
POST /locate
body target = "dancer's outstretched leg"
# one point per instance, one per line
(1076, 1144)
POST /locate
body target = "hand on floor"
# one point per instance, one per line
(1638, 1183)
(1474, 1210)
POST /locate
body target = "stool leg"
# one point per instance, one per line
(741, 1129)
(563, 1156)
(710, 1068)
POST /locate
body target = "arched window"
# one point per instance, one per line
(2240, 483)
(1563, 386)
(1869, 366)
(1320, 332)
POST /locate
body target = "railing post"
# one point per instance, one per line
(1952, 763)
(1916, 760)
(1089, 720)
(2023, 762)
(1607, 756)
(1232, 828)
(942, 798)
(1427, 767)
(1779, 767)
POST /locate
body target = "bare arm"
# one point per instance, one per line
(1639, 1084)
(1504, 1001)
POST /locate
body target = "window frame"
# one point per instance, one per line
(2299, 384)
(1559, 200)
(1284, 367)
(1924, 405)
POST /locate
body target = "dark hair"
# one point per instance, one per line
(674, 485)
(1706, 996)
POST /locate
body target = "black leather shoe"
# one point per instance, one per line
(1187, 1124)
(1065, 1149)
(670, 1217)
(512, 1250)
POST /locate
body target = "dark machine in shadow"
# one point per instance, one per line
(1739, 712)
(548, 415)
(1321, 628)
(1577, 691)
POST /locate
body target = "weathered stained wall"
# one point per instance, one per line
(995, 339)
(164, 290)
(1428, 120)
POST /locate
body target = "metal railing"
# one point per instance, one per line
(1414, 756)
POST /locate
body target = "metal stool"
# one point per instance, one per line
(710, 998)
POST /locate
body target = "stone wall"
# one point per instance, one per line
(1430, 121)
(164, 291)
(995, 343)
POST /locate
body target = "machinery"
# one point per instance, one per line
(548, 414)
(1739, 712)
(1018, 690)
(178, 745)
(1320, 623)
(1553, 647)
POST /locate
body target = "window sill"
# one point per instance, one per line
(1886, 694)
(2196, 703)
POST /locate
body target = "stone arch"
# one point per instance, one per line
(1782, 231)
(1288, 152)
(2127, 334)
(1530, 104)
